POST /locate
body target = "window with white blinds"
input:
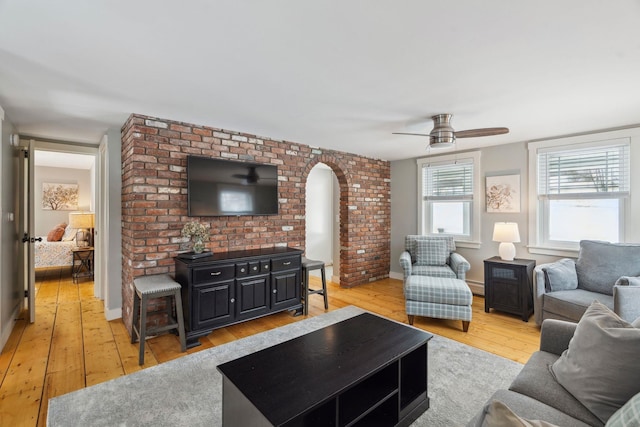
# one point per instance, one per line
(449, 189)
(592, 172)
(581, 192)
(448, 182)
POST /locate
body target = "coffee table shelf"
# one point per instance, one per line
(363, 371)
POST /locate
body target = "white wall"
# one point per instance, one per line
(11, 293)
(114, 228)
(319, 214)
(45, 220)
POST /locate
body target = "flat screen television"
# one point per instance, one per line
(221, 187)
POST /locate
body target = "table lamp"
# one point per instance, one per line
(83, 222)
(506, 233)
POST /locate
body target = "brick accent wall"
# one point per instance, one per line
(154, 200)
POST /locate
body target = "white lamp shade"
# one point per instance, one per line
(81, 220)
(506, 232)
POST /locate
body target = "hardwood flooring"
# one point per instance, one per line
(71, 345)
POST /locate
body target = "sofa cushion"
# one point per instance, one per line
(433, 270)
(411, 240)
(497, 414)
(536, 381)
(561, 275)
(628, 415)
(600, 366)
(431, 252)
(600, 264)
(572, 304)
(438, 290)
(529, 408)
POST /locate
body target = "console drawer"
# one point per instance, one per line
(214, 273)
(285, 263)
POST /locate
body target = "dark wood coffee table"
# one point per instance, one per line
(363, 371)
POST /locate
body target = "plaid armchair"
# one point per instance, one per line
(432, 256)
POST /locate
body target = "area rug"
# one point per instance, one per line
(187, 391)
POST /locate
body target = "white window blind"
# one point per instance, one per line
(452, 181)
(590, 172)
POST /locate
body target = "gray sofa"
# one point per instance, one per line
(603, 271)
(535, 394)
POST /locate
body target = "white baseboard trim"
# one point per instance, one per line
(396, 275)
(477, 288)
(8, 328)
(113, 314)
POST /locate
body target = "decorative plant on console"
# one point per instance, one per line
(198, 232)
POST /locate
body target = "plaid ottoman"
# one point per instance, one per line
(438, 297)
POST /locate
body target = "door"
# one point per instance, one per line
(27, 226)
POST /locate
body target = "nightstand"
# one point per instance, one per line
(508, 286)
(82, 263)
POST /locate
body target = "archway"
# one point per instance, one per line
(339, 266)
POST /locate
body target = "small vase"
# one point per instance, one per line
(198, 246)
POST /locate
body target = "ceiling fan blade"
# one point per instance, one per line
(472, 133)
(415, 134)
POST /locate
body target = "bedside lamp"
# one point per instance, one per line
(506, 233)
(83, 222)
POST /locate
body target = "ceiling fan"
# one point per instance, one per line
(443, 135)
(251, 177)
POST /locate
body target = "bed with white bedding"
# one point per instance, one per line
(53, 254)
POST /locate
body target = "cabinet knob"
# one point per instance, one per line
(275, 291)
(216, 273)
(266, 267)
(255, 268)
(242, 270)
(233, 300)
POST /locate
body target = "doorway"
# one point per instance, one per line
(60, 180)
(322, 215)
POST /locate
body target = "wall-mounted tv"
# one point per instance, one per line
(220, 187)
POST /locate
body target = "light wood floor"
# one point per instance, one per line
(71, 345)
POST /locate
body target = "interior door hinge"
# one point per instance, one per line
(26, 293)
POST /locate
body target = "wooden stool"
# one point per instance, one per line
(150, 287)
(308, 265)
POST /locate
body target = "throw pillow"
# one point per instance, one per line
(431, 252)
(628, 415)
(55, 235)
(600, 366)
(69, 234)
(561, 275)
(497, 414)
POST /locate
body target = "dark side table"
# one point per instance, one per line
(508, 286)
(82, 263)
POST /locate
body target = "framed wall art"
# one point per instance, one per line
(59, 197)
(503, 193)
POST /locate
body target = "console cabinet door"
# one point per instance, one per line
(212, 304)
(252, 297)
(285, 288)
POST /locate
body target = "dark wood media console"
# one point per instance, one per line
(363, 371)
(235, 286)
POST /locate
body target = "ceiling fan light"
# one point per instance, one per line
(441, 142)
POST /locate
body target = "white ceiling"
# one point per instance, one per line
(341, 74)
(63, 160)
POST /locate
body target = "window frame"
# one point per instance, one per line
(539, 243)
(473, 157)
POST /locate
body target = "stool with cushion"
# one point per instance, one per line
(150, 287)
(308, 265)
(438, 297)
